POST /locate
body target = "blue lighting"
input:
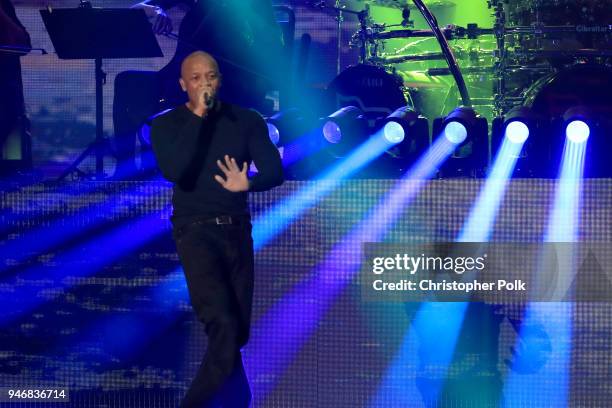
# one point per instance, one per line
(270, 224)
(554, 318)
(332, 132)
(273, 133)
(393, 132)
(517, 132)
(100, 251)
(455, 132)
(577, 131)
(338, 268)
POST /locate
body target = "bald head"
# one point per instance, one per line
(200, 78)
(197, 57)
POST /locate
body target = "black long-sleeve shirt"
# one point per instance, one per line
(187, 148)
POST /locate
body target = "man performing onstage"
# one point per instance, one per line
(204, 148)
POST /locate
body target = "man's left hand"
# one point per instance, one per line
(235, 178)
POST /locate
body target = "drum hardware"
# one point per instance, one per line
(536, 69)
(340, 10)
(387, 35)
(404, 58)
(415, 85)
(406, 21)
(370, 39)
(468, 70)
(426, 56)
(451, 32)
(522, 52)
(545, 37)
(364, 40)
(580, 53)
(406, 4)
(339, 21)
(482, 101)
(446, 50)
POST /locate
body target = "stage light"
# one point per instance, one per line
(285, 126)
(406, 134)
(332, 132)
(273, 133)
(339, 122)
(455, 132)
(468, 132)
(526, 137)
(518, 124)
(458, 123)
(575, 123)
(394, 132)
(397, 125)
(577, 131)
(144, 132)
(517, 132)
(344, 130)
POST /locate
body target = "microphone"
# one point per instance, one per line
(208, 101)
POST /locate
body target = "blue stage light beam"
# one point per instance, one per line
(477, 228)
(126, 331)
(564, 220)
(33, 216)
(555, 317)
(331, 276)
(36, 241)
(272, 223)
(483, 213)
(302, 147)
(80, 262)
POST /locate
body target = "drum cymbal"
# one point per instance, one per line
(400, 4)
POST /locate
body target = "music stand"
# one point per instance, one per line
(93, 33)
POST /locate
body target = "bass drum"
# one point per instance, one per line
(368, 87)
(584, 84)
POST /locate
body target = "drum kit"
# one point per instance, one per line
(545, 54)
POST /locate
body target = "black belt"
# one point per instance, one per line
(220, 220)
(226, 220)
(239, 220)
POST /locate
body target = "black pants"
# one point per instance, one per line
(218, 264)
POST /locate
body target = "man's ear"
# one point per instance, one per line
(183, 87)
